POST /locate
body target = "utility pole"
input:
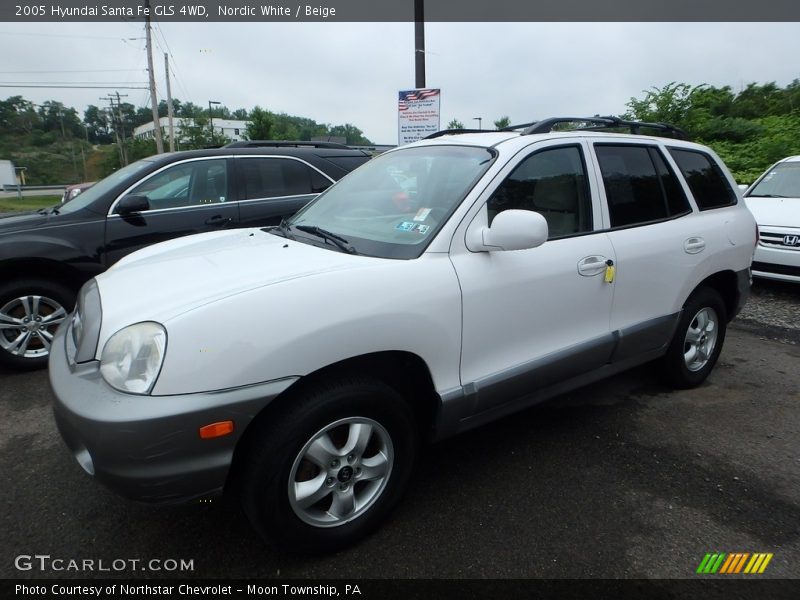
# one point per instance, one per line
(116, 129)
(153, 99)
(119, 127)
(169, 106)
(122, 131)
(419, 42)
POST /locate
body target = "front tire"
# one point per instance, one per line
(30, 312)
(329, 468)
(698, 340)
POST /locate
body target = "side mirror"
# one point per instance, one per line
(133, 204)
(514, 230)
(743, 186)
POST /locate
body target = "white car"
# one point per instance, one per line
(774, 200)
(303, 366)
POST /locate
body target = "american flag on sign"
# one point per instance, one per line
(414, 95)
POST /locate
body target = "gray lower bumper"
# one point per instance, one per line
(148, 447)
(744, 280)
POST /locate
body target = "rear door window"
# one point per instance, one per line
(706, 180)
(640, 187)
(275, 177)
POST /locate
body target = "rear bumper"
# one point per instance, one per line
(148, 447)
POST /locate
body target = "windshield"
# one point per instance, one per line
(394, 205)
(99, 189)
(782, 181)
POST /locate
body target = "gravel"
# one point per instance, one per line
(773, 308)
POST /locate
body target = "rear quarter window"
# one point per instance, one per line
(707, 182)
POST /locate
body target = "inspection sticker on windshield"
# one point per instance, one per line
(412, 227)
(422, 214)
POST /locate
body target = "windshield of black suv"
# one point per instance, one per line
(393, 206)
(782, 181)
(100, 188)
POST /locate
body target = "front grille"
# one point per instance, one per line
(777, 269)
(774, 239)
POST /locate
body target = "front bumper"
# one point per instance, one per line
(148, 447)
(775, 260)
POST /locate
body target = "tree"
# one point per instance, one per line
(57, 117)
(260, 126)
(455, 124)
(18, 115)
(96, 122)
(669, 104)
(502, 122)
(352, 134)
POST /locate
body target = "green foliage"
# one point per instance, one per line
(749, 130)
(455, 124)
(502, 122)
(56, 146)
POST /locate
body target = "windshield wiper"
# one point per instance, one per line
(48, 211)
(337, 240)
(767, 196)
(282, 229)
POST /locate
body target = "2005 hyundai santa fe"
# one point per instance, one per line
(441, 285)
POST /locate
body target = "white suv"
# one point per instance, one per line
(440, 286)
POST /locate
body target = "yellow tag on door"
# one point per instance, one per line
(610, 271)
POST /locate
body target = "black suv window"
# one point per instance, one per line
(640, 187)
(551, 182)
(274, 177)
(709, 186)
(186, 184)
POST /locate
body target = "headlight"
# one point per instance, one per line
(86, 322)
(132, 357)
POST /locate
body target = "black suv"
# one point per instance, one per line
(45, 257)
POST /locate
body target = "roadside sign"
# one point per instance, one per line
(417, 114)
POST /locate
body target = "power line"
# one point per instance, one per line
(107, 83)
(66, 35)
(173, 63)
(77, 87)
(66, 71)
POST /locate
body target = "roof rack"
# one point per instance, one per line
(595, 124)
(601, 123)
(454, 132)
(284, 144)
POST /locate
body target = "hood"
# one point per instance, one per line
(775, 212)
(19, 221)
(167, 279)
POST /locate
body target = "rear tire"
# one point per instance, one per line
(698, 340)
(30, 312)
(329, 468)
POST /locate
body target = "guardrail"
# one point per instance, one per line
(32, 188)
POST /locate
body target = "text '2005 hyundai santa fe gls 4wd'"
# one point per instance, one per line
(439, 286)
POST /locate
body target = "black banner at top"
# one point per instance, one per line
(398, 10)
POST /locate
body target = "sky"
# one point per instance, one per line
(340, 73)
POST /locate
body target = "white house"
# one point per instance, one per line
(232, 129)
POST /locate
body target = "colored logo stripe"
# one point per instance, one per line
(734, 562)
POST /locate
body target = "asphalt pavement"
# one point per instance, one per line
(622, 479)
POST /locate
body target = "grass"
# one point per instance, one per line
(28, 203)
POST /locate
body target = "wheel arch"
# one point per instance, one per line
(44, 269)
(404, 371)
(725, 283)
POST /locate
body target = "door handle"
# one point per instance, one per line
(694, 245)
(218, 221)
(592, 265)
